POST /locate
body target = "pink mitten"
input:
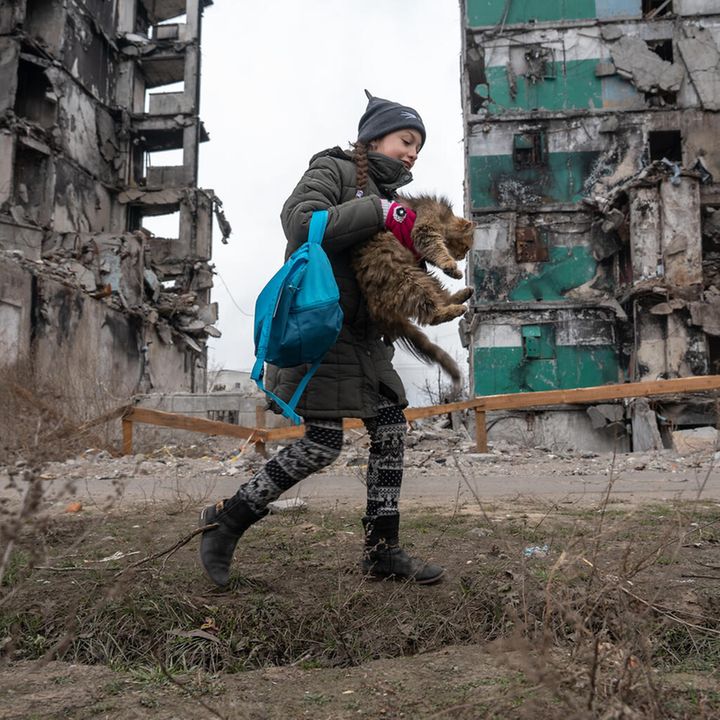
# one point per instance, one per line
(400, 220)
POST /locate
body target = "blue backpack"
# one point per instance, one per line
(298, 315)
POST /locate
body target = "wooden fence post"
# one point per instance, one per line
(127, 436)
(260, 425)
(480, 431)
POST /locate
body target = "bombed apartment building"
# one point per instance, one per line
(593, 174)
(93, 95)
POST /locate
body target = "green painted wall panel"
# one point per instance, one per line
(496, 370)
(495, 182)
(490, 12)
(586, 366)
(574, 86)
(567, 268)
(504, 370)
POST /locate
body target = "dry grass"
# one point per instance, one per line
(623, 604)
(592, 630)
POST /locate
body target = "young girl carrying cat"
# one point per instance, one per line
(356, 377)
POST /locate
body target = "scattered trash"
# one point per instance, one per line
(279, 506)
(73, 507)
(209, 624)
(536, 551)
(480, 532)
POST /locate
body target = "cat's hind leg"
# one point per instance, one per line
(447, 313)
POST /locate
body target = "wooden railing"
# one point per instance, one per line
(260, 435)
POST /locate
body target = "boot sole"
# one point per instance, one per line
(399, 578)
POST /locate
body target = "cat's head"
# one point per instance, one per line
(457, 231)
(459, 236)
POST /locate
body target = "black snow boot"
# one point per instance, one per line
(384, 558)
(217, 546)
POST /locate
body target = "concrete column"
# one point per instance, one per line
(126, 15)
(192, 79)
(191, 142)
(681, 232)
(645, 253)
(7, 155)
(193, 19)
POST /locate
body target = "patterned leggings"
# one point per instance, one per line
(321, 446)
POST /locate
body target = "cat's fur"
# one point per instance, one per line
(397, 290)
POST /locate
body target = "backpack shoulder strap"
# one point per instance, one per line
(318, 223)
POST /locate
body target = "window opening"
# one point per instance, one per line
(35, 98)
(665, 144)
(663, 49)
(713, 354)
(540, 64)
(163, 226)
(529, 150)
(656, 8)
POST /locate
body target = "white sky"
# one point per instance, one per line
(283, 79)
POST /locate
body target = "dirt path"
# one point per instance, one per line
(432, 478)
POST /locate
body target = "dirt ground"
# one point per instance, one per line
(577, 586)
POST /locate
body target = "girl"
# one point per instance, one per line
(356, 378)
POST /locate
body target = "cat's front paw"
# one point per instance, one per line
(453, 271)
(461, 296)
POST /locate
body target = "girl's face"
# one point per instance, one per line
(403, 145)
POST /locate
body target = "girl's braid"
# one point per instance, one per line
(360, 158)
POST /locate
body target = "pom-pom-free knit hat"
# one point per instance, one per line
(384, 116)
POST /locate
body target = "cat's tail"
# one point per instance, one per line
(419, 344)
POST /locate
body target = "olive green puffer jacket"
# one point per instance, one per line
(358, 368)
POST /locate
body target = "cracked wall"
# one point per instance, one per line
(77, 128)
(591, 169)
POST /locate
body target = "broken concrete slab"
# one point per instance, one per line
(707, 315)
(647, 70)
(606, 414)
(704, 439)
(701, 56)
(645, 431)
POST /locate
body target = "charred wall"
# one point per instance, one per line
(592, 173)
(77, 127)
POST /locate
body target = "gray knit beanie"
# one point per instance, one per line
(384, 116)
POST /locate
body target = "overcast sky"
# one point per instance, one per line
(284, 79)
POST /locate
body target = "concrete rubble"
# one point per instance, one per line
(79, 133)
(592, 170)
(439, 463)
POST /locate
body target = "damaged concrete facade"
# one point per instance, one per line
(593, 174)
(83, 285)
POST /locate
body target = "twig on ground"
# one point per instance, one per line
(706, 577)
(183, 541)
(657, 608)
(73, 568)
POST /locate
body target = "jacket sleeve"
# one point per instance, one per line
(320, 188)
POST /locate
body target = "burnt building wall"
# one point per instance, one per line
(82, 109)
(592, 173)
